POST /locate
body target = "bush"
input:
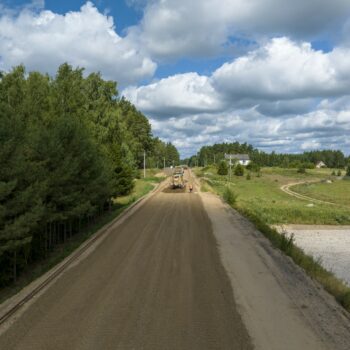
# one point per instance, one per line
(305, 165)
(223, 169)
(348, 170)
(301, 170)
(229, 196)
(333, 173)
(253, 167)
(339, 173)
(239, 170)
(248, 176)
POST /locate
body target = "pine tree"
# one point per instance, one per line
(239, 170)
(223, 169)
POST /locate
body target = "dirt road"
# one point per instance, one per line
(286, 189)
(183, 272)
(156, 282)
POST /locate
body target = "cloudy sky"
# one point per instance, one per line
(273, 73)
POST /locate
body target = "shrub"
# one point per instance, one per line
(339, 173)
(297, 164)
(239, 170)
(301, 170)
(248, 176)
(333, 173)
(348, 170)
(229, 196)
(253, 167)
(223, 169)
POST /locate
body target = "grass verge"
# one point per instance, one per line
(34, 271)
(262, 195)
(328, 280)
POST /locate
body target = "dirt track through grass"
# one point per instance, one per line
(286, 189)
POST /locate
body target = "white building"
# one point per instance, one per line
(321, 165)
(242, 159)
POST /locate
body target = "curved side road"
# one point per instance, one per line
(281, 306)
(286, 189)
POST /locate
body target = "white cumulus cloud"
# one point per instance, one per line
(284, 69)
(174, 28)
(42, 40)
(279, 96)
(177, 95)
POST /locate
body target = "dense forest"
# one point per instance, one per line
(213, 154)
(68, 145)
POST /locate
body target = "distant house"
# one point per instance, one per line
(242, 159)
(320, 165)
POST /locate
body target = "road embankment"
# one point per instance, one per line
(281, 306)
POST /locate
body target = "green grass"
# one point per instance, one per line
(263, 196)
(263, 203)
(336, 192)
(34, 271)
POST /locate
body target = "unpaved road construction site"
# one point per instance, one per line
(180, 271)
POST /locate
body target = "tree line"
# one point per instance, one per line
(213, 154)
(68, 146)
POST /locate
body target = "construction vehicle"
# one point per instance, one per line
(178, 178)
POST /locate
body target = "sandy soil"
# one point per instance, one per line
(183, 272)
(329, 244)
(155, 282)
(280, 305)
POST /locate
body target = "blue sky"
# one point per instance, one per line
(273, 73)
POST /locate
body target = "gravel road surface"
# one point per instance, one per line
(156, 282)
(329, 244)
(183, 272)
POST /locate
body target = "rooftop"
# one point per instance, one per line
(237, 156)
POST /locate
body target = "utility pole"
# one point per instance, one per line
(230, 168)
(144, 164)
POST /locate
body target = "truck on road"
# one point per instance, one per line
(178, 178)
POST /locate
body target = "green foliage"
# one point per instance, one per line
(239, 170)
(253, 167)
(264, 196)
(348, 170)
(207, 154)
(339, 173)
(301, 170)
(248, 176)
(229, 196)
(333, 173)
(68, 145)
(223, 169)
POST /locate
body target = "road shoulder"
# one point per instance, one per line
(280, 305)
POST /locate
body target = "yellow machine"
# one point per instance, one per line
(178, 178)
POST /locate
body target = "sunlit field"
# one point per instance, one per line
(263, 195)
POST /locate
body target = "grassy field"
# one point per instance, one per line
(336, 192)
(142, 187)
(261, 200)
(263, 197)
